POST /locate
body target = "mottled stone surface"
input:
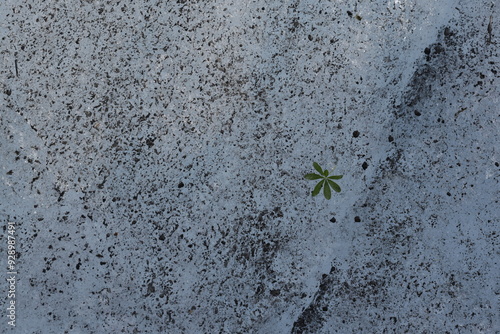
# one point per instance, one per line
(153, 153)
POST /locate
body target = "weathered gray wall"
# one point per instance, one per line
(153, 157)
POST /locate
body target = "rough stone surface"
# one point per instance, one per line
(153, 153)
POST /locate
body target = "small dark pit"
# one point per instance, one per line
(275, 292)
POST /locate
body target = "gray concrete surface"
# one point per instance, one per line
(153, 154)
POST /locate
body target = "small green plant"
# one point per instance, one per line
(326, 181)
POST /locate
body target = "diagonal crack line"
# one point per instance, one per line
(311, 319)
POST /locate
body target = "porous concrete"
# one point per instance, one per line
(153, 154)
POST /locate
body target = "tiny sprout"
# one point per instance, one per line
(326, 181)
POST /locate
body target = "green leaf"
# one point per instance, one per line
(317, 189)
(327, 192)
(326, 181)
(317, 167)
(334, 186)
(313, 176)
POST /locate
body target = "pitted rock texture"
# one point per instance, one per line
(153, 156)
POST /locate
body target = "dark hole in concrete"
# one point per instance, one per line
(275, 292)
